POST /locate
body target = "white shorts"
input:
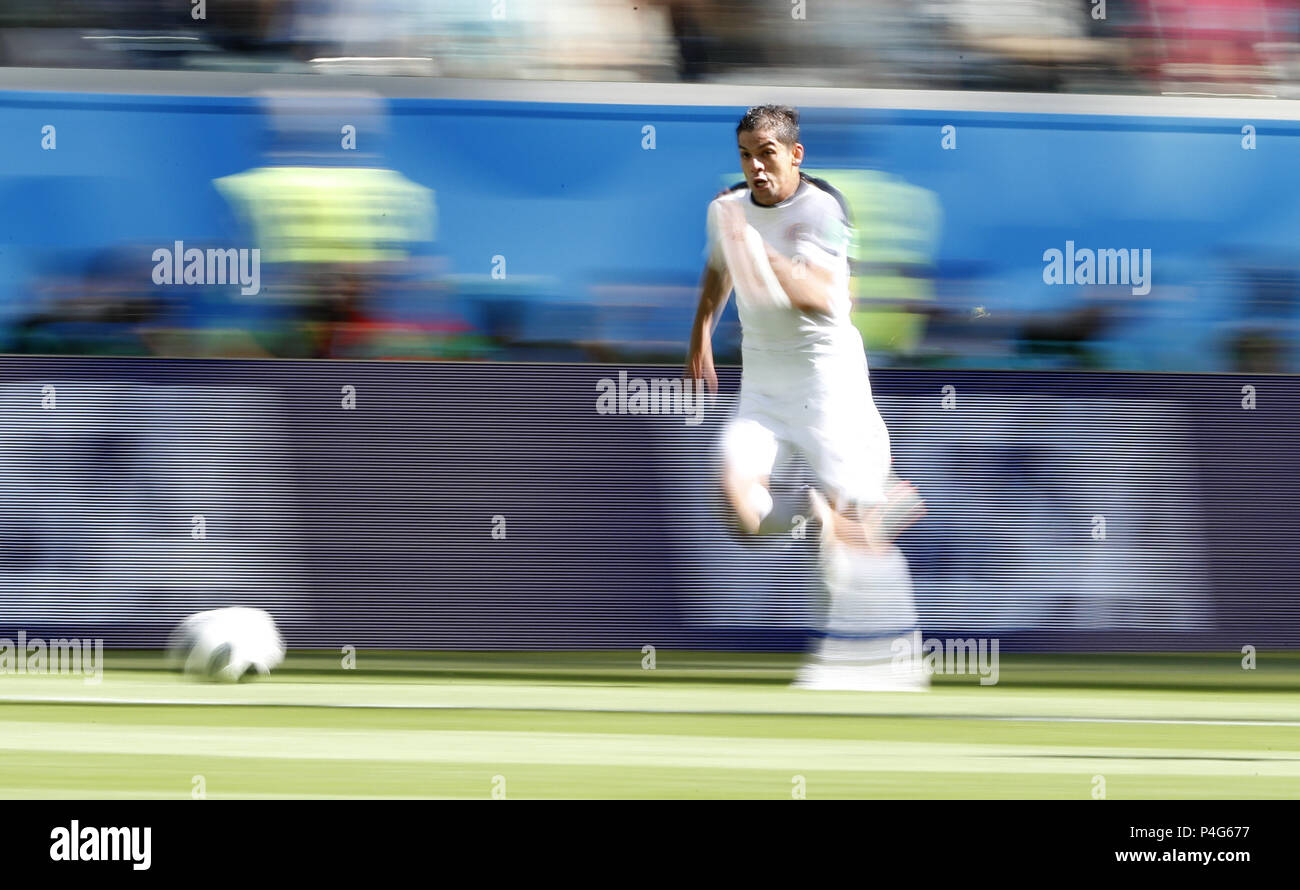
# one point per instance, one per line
(837, 430)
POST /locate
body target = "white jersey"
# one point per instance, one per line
(805, 382)
(786, 345)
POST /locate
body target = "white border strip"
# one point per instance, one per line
(193, 83)
(397, 706)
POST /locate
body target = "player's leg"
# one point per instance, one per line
(749, 451)
(869, 634)
(868, 638)
(875, 526)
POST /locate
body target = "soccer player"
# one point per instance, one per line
(781, 239)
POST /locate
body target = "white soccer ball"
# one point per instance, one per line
(227, 644)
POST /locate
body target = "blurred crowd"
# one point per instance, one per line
(1209, 47)
(353, 260)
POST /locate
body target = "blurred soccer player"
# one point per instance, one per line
(781, 238)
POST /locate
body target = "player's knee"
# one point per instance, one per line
(747, 503)
(727, 515)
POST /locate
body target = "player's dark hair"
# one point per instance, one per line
(782, 120)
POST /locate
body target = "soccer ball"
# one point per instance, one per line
(227, 645)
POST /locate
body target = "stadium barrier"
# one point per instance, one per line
(471, 505)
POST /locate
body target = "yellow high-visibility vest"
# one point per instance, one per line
(896, 229)
(331, 214)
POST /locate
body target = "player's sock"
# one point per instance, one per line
(870, 593)
(776, 512)
(869, 635)
(866, 662)
(785, 506)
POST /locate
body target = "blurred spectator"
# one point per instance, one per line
(346, 242)
(103, 311)
(1217, 46)
(1147, 46)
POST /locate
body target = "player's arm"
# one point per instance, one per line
(808, 285)
(715, 287)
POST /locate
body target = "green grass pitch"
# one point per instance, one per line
(595, 725)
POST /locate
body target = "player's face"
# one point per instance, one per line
(771, 167)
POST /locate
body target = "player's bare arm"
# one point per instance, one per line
(715, 285)
(809, 287)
